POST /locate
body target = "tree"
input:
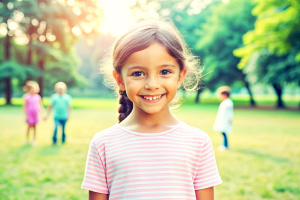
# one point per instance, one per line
(219, 36)
(275, 38)
(269, 68)
(277, 28)
(6, 13)
(56, 24)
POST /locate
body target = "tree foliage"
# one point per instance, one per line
(50, 30)
(219, 36)
(277, 28)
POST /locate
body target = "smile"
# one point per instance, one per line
(151, 98)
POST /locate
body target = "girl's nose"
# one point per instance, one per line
(152, 83)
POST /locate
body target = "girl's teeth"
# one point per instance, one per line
(152, 98)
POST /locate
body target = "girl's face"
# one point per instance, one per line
(151, 78)
(60, 90)
(31, 90)
(222, 97)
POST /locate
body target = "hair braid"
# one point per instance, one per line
(125, 105)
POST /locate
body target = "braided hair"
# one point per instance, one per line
(125, 105)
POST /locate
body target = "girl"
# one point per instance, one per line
(150, 154)
(32, 106)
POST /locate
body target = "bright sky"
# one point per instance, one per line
(117, 16)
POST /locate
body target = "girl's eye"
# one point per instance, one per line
(165, 72)
(138, 74)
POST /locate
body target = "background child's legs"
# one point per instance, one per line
(34, 135)
(63, 124)
(54, 138)
(27, 134)
(225, 140)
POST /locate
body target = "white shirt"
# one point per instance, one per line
(224, 117)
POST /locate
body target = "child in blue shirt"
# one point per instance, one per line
(61, 103)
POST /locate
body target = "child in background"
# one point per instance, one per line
(62, 105)
(32, 106)
(150, 154)
(224, 117)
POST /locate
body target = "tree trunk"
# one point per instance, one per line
(7, 85)
(41, 65)
(29, 50)
(278, 90)
(7, 81)
(252, 102)
(198, 95)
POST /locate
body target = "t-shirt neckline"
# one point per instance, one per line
(149, 134)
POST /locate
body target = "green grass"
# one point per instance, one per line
(263, 162)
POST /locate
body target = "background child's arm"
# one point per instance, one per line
(97, 196)
(205, 194)
(48, 111)
(42, 108)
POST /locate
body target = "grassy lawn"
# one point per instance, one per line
(263, 162)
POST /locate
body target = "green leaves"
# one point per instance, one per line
(13, 69)
(277, 28)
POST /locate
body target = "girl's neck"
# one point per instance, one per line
(149, 123)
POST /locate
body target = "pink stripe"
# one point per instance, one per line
(146, 176)
(140, 185)
(136, 165)
(160, 170)
(95, 170)
(149, 180)
(94, 188)
(124, 144)
(89, 173)
(156, 193)
(154, 158)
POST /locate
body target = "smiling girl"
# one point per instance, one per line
(150, 154)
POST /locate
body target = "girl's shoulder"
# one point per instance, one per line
(188, 130)
(37, 96)
(107, 134)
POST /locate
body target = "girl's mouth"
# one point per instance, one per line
(152, 97)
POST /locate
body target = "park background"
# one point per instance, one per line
(252, 46)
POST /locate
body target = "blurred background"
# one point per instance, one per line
(253, 46)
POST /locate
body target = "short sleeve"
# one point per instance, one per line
(207, 172)
(95, 176)
(39, 98)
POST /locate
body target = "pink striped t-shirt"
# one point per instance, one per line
(162, 166)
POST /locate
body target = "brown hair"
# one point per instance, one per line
(141, 36)
(224, 90)
(31, 84)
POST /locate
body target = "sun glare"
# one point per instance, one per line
(117, 16)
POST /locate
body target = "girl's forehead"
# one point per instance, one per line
(154, 55)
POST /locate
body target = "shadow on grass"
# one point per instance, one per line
(50, 150)
(23, 149)
(45, 150)
(261, 155)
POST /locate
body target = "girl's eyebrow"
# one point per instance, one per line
(133, 67)
(167, 65)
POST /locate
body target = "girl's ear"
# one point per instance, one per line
(181, 78)
(119, 80)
